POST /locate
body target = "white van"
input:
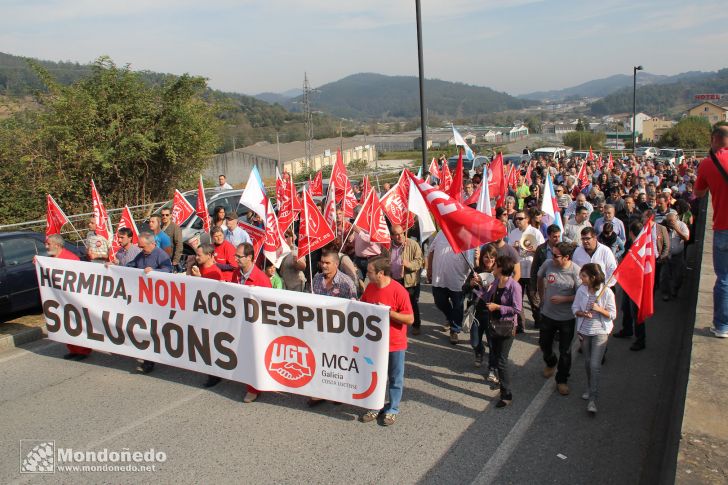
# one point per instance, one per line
(555, 152)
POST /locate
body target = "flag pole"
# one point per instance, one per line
(310, 272)
(305, 215)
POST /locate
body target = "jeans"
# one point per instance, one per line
(395, 382)
(501, 347)
(480, 330)
(593, 347)
(720, 290)
(451, 304)
(547, 330)
(671, 276)
(630, 325)
(414, 297)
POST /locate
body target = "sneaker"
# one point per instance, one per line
(548, 372)
(212, 381)
(563, 388)
(369, 416)
(454, 339)
(503, 403)
(389, 419)
(492, 377)
(585, 396)
(715, 332)
(145, 367)
(416, 330)
(250, 397)
(592, 407)
(478, 360)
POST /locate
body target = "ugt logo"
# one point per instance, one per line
(290, 361)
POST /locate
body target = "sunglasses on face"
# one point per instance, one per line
(519, 218)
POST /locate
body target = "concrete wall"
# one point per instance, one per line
(236, 166)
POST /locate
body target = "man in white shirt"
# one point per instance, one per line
(572, 231)
(579, 202)
(223, 185)
(526, 254)
(609, 216)
(447, 272)
(592, 251)
(235, 234)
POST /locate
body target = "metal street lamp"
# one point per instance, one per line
(423, 120)
(634, 108)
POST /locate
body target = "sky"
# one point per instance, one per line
(252, 46)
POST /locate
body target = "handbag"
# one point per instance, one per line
(500, 327)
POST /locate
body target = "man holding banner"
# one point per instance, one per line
(383, 290)
(128, 251)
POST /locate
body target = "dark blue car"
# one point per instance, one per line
(18, 283)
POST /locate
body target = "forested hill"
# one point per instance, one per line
(663, 99)
(376, 96)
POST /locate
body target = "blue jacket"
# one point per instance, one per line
(158, 260)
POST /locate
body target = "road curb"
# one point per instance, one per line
(32, 334)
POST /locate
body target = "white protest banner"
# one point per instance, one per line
(274, 340)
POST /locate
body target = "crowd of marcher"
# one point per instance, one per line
(563, 275)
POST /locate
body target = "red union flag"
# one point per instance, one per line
(257, 236)
(365, 186)
(181, 208)
(582, 181)
(100, 214)
(364, 218)
(201, 209)
(394, 204)
(456, 188)
(281, 186)
(636, 273)
(55, 218)
(379, 232)
(590, 157)
(446, 180)
(274, 246)
(126, 221)
(497, 180)
(434, 169)
(330, 207)
(338, 175)
(314, 232)
(317, 185)
(349, 200)
(465, 228)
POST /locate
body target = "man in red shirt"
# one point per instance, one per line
(711, 178)
(249, 274)
(383, 290)
(207, 268)
(54, 247)
(224, 254)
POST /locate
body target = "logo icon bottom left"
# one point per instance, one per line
(37, 456)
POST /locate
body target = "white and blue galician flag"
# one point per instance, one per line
(253, 196)
(549, 206)
(484, 198)
(460, 141)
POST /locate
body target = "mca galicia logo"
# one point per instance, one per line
(290, 361)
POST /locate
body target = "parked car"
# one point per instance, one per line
(555, 152)
(192, 228)
(646, 152)
(672, 156)
(18, 281)
(516, 158)
(469, 165)
(583, 154)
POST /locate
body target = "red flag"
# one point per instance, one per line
(338, 175)
(582, 180)
(529, 181)
(55, 218)
(274, 246)
(511, 177)
(257, 236)
(364, 218)
(126, 221)
(636, 273)
(590, 157)
(284, 196)
(281, 186)
(497, 181)
(446, 180)
(315, 233)
(366, 186)
(394, 204)
(330, 207)
(317, 185)
(181, 208)
(379, 232)
(610, 164)
(100, 214)
(465, 228)
(201, 207)
(349, 200)
(456, 188)
(434, 168)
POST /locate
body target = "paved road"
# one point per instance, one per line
(449, 430)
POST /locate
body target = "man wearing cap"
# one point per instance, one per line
(235, 234)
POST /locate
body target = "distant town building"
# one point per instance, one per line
(641, 117)
(654, 128)
(711, 111)
(237, 164)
